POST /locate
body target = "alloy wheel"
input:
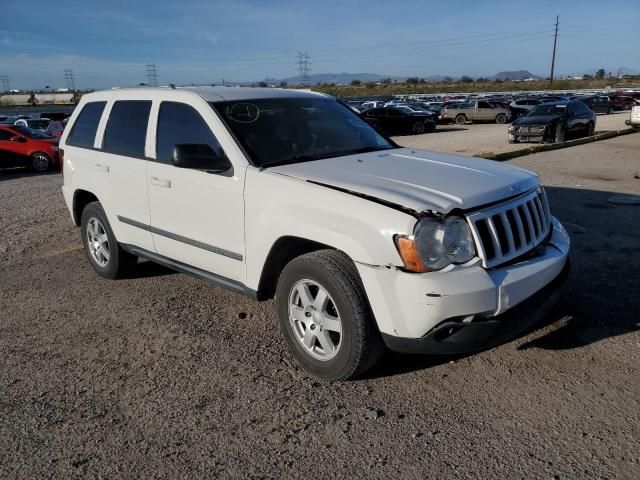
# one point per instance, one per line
(314, 319)
(98, 242)
(40, 162)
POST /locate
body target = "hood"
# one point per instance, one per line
(537, 120)
(417, 180)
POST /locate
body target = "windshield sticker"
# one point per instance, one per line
(243, 112)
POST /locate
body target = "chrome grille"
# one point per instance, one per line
(509, 230)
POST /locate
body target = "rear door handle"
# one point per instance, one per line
(161, 182)
(101, 168)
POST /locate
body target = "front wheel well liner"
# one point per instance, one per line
(81, 198)
(281, 253)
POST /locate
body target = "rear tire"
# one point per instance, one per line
(418, 128)
(461, 119)
(105, 255)
(590, 129)
(501, 118)
(357, 345)
(40, 162)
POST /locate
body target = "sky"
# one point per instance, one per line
(108, 43)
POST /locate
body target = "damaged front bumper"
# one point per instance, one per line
(466, 308)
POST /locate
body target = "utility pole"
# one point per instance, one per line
(152, 74)
(5, 82)
(304, 68)
(68, 76)
(553, 59)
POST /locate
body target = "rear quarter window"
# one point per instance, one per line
(83, 131)
(126, 131)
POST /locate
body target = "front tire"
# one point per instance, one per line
(105, 255)
(559, 134)
(461, 119)
(590, 129)
(501, 118)
(325, 316)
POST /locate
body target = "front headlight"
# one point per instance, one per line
(437, 243)
(512, 128)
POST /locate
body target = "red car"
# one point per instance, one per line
(622, 102)
(24, 147)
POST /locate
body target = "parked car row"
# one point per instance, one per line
(52, 123)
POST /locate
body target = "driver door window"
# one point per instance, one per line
(179, 123)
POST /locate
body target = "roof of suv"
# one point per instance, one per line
(223, 94)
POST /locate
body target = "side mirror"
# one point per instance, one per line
(18, 139)
(200, 157)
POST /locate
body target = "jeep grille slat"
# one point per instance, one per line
(506, 231)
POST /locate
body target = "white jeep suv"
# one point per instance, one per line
(289, 194)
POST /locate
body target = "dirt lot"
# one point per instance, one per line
(487, 138)
(164, 376)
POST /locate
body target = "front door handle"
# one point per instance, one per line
(161, 182)
(101, 168)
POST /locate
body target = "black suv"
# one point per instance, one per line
(553, 122)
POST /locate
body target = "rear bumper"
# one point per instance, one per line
(456, 337)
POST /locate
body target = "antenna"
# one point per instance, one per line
(69, 78)
(152, 74)
(304, 68)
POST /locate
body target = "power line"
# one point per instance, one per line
(69, 78)
(553, 58)
(5, 82)
(304, 68)
(152, 74)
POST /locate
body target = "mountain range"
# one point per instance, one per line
(346, 78)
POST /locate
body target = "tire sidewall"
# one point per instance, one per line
(329, 369)
(460, 119)
(501, 119)
(95, 210)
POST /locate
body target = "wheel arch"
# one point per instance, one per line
(81, 198)
(283, 250)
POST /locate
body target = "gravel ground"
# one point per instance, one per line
(165, 376)
(487, 138)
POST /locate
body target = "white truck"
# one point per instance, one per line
(634, 117)
(474, 111)
(289, 194)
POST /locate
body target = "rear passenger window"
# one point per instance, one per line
(126, 131)
(83, 132)
(179, 123)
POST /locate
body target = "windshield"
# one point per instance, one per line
(38, 123)
(291, 130)
(28, 132)
(543, 110)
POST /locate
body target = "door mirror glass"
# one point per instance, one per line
(199, 157)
